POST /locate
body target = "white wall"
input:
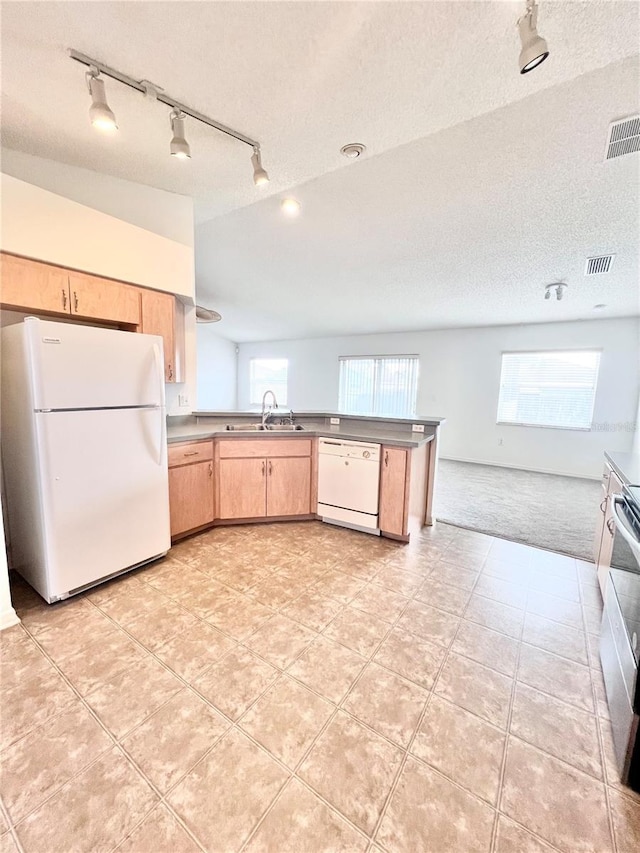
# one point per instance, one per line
(217, 373)
(40, 224)
(164, 213)
(459, 380)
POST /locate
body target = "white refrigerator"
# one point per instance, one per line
(84, 453)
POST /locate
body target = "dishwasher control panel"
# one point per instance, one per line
(349, 449)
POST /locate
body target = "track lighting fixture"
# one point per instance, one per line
(260, 176)
(102, 117)
(558, 286)
(179, 145)
(99, 112)
(534, 47)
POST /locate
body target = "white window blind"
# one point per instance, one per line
(548, 389)
(379, 385)
(268, 374)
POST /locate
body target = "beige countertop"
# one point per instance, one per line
(380, 432)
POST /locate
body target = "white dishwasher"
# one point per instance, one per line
(348, 482)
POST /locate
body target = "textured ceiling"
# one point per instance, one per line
(479, 185)
(461, 228)
(302, 77)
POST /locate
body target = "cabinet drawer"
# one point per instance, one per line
(193, 451)
(251, 448)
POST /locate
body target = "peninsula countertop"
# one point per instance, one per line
(394, 431)
(626, 466)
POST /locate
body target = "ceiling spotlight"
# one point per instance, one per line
(353, 150)
(260, 176)
(290, 206)
(534, 47)
(99, 112)
(558, 286)
(179, 145)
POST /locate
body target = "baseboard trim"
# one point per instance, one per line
(8, 618)
(520, 467)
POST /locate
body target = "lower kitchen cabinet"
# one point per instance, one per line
(242, 488)
(264, 478)
(190, 486)
(289, 486)
(393, 491)
(611, 486)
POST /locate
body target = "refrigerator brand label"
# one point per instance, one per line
(51, 340)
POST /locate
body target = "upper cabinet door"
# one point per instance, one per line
(393, 491)
(158, 318)
(33, 286)
(102, 299)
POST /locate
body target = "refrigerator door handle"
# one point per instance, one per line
(160, 374)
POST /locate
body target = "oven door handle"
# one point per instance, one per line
(623, 526)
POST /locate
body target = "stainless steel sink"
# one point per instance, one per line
(259, 427)
(283, 427)
(245, 427)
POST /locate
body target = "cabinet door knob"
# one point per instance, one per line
(263, 467)
(386, 459)
(270, 467)
(603, 506)
(64, 299)
(75, 301)
(170, 372)
(610, 526)
(211, 469)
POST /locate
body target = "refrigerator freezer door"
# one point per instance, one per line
(81, 367)
(105, 493)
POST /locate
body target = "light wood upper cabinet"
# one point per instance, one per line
(289, 486)
(394, 491)
(31, 286)
(97, 298)
(190, 496)
(242, 488)
(158, 315)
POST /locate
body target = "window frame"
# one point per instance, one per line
(374, 358)
(281, 403)
(595, 350)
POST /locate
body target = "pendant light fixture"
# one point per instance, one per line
(534, 48)
(179, 145)
(260, 176)
(99, 113)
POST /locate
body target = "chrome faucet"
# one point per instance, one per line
(266, 414)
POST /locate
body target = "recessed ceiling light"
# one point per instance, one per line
(353, 150)
(290, 206)
(599, 306)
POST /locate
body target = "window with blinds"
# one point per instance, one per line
(548, 389)
(379, 385)
(268, 374)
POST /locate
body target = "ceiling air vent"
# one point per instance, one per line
(624, 137)
(601, 264)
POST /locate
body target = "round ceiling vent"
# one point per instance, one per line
(206, 315)
(353, 150)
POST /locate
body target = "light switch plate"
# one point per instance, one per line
(334, 421)
(417, 427)
(183, 400)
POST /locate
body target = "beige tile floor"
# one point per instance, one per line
(297, 687)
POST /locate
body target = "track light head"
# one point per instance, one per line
(179, 145)
(260, 176)
(534, 48)
(99, 113)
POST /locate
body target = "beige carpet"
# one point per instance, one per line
(544, 510)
